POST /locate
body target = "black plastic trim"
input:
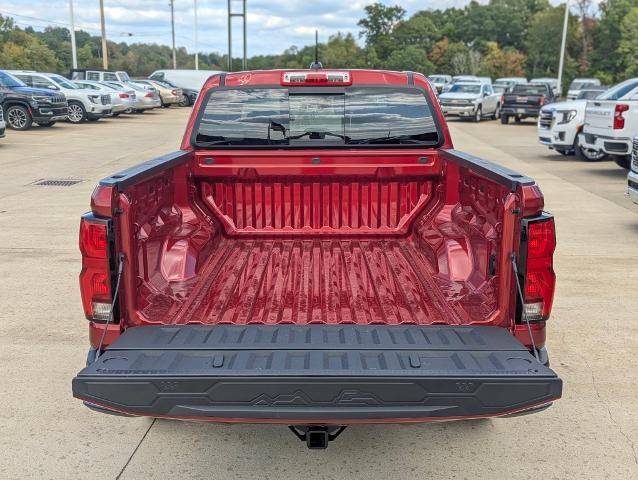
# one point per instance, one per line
(145, 170)
(504, 176)
(319, 372)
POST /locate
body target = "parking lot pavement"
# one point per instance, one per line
(593, 336)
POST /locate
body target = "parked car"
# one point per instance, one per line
(579, 84)
(83, 104)
(169, 95)
(439, 82)
(190, 79)
(188, 95)
(502, 88)
(559, 125)
(267, 272)
(24, 106)
(525, 101)
(120, 100)
(461, 78)
(552, 82)
(146, 98)
(511, 81)
(3, 124)
(611, 122)
(471, 100)
(632, 176)
(99, 75)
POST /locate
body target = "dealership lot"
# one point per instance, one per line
(593, 334)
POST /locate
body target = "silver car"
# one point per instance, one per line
(146, 98)
(120, 100)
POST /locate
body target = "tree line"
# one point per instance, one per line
(500, 38)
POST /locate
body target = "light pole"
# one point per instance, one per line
(74, 52)
(105, 52)
(173, 33)
(561, 62)
(196, 49)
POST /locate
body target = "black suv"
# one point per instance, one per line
(24, 105)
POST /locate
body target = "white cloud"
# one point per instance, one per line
(273, 25)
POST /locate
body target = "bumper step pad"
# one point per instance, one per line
(317, 373)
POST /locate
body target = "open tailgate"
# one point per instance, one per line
(317, 373)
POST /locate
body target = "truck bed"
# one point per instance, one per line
(331, 281)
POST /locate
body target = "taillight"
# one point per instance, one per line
(502, 99)
(95, 277)
(540, 279)
(173, 92)
(619, 120)
(123, 95)
(542, 100)
(149, 95)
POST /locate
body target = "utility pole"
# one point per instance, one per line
(74, 52)
(562, 48)
(230, 35)
(196, 48)
(173, 33)
(105, 52)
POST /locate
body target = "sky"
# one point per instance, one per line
(272, 25)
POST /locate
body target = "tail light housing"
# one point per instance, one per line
(95, 277)
(502, 99)
(173, 92)
(123, 95)
(619, 120)
(542, 100)
(149, 95)
(539, 237)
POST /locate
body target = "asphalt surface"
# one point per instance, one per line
(44, 433)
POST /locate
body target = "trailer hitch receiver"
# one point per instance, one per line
(317, 436)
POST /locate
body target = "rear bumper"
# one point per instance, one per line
(522, 111)
(317, 374)
(609, 145)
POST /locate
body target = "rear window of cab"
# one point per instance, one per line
(307, 117)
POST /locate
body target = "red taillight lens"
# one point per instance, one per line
(149, 95)
(123, 95)
(540, 279)
(95, 278)
(93, 241)
(542, 100)
(619, 120)
(502, 99)
(173, 92)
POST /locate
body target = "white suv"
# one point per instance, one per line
(83, 104)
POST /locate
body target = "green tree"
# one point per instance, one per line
(628, 42)
(607, 57)
(410, 58)
(543, 43)
(379, 21)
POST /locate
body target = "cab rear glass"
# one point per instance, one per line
(298, 117)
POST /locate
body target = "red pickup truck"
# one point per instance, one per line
(317, 254)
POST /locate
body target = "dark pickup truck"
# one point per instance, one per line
(317, 254)
(525, 100)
